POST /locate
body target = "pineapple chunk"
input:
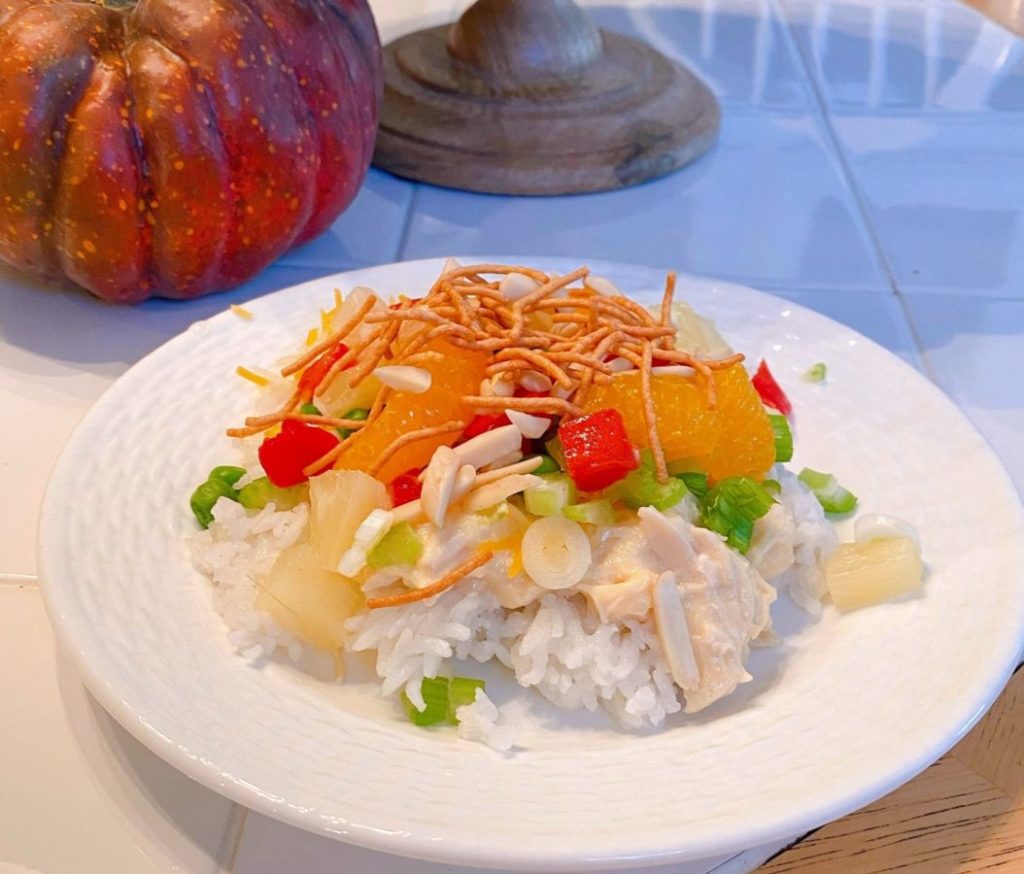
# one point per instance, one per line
(866, 573)
(340, 397)
(339, 500)
(310, 602)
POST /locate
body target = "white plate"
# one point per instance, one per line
(842, 711)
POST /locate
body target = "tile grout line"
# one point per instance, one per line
(19, 581)
(410, 211)
(232, 841)
(825, 118)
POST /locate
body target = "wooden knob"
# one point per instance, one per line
(525, 41)
(529, 97)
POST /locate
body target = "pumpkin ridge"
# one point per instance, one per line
(367, 114)
(213, 274)
(349, 106)
(147, 189)
(310, 117)
(98, 243)
(75, 89)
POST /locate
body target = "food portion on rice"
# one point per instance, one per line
(536, 469)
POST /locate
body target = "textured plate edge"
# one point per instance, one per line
(468, 853)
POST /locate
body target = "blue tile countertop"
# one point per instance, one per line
(870, 167)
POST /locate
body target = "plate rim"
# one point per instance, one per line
(468, 853)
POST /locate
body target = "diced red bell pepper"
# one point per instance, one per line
(314, 374)
(770, 391)
(482, 424)
(597, 450)
(297, 446)
(405, 487)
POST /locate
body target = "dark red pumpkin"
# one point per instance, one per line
(177, 147)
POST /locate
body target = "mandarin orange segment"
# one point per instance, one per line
(735, 438)
(745, 445)
(458, 373)
(685, 424)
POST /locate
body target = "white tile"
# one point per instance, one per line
(944, 197)
(79, 794)
(269, 847)
(974, 348)
(934, 56)
(398, 17)
(59, 350)
(767, 204)
(737, 46)
(878, 316)
(368, 232)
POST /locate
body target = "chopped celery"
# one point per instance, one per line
(783, 437)
(832, 496)
(696, 484)
(401, 545)
(227, 473)
(547, 465)
(816, 373)
(640, 487)
(732, 507)
(555, 492)
(442, 697)
(260, 492)
(591, 513)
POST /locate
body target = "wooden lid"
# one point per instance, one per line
(528, 97)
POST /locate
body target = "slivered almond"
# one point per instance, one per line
(674, 632)
(533, 381)
(439, 484)
(530, 426)
(515, 285)
(603, 286)
(496, 492)
(403, 377)
(488, 447)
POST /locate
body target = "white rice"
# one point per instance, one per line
(554, 645)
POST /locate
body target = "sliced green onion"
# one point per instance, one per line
(435, 695)
(783, 437)
(732, 507)
(547, 464)
(832, 496)
(591, 513)
(442, 697)
(696, 484)
(816, 373)
(359, 414)
(555, 493)
(310, 410)
(401, 545)
(260, 492)
(227, 473)
(773, 487)
(206, 495)
(461, 691)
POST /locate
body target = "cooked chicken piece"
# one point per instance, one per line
(725, 601)
(629, 599)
